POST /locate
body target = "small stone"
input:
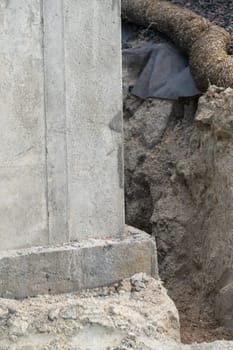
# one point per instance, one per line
(4, 313)
(125, 285)
(132, 336)
(137, 282)
(139, 287)
(13, 338)
(112, 310)
(53, 314)
(42, 328)
(146, 278)
(112, 290)
(137, 277)
(69, 313)
(103, 292)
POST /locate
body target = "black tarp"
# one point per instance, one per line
(161, 71)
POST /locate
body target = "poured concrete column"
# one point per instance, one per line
(61, 143)
(60, 104)
(84, 117)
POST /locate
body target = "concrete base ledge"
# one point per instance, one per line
(76, 266)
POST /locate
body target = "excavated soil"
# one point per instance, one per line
(160, 199)
(173, 188)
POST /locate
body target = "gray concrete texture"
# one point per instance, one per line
(76, 266)
(61, 122)
(61, 189)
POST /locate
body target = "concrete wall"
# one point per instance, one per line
(23, 213)
(61, 122)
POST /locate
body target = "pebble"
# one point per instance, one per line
(53, 314)
(138, 282)
(69, 313)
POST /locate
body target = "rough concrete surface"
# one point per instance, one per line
(61, 143)
(76, 266)
(23, 212)
(94, 142)
(128, 315)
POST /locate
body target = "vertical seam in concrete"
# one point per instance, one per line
(55, 121)
(65, 109)
(45, 117)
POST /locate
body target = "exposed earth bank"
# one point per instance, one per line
(179, 187)
(178, 168)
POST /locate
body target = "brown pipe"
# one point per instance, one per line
(206, 44)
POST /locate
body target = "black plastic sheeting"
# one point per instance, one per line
(161, 70)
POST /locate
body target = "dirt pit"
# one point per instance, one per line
(165, 198)
(179, 188)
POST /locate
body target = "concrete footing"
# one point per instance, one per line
(72, 267)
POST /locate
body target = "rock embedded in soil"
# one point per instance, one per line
(53, 314)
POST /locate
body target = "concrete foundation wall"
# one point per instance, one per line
(76, 266)
(23, 208)
(61, 122)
